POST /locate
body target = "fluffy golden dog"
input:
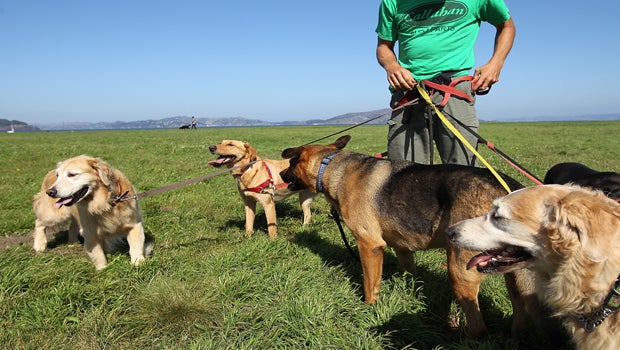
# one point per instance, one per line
(568, 235)
(258, 182)
(51, 220)
(107, 213)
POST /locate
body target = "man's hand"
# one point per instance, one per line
(488, 74)
(485, 76)
(399, 78)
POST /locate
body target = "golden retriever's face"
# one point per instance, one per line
(77, 178)
(540, 227)
(231, 152)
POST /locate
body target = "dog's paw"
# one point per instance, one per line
(39, 247)
(40, 244)
(454, 322)
(137, 260)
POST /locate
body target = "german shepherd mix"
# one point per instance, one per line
(408, 207)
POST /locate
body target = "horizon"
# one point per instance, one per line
(109, 125)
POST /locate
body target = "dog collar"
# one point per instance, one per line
(319, 177)
(121, 196)
(611, 304)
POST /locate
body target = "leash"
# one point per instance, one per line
(334, 213)
(410, 99)
(336, 218)
(347, 129)
(451, 127)
(124, 197)
(448, 90)
(503, 155)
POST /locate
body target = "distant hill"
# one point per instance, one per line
(376, 117)
(597, 117)
(5, 125)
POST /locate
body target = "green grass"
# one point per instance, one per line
(208, 287)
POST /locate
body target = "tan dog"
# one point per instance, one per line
(107, 214)
(407, 207)
(569, 236)
(259, 182)
(51, 220)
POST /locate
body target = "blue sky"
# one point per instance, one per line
(275, 60)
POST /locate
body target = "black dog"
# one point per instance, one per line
(184, 126)
(579, 174)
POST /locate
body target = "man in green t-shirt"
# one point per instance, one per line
(436, 42)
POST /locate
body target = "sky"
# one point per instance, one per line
(88, 60)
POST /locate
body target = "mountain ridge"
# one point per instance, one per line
(374, 117)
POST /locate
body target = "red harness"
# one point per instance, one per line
(448, 91)
(267, 184)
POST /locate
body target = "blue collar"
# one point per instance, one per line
(319, 177)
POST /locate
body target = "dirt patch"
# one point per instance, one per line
(56, 241)
(15, 240)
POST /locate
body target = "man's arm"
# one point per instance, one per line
(488, 74)
(399, 78)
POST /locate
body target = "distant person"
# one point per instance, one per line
(436, 42)
(193, 122)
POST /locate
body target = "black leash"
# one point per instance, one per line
(347, 129)
(431, 147)
(336, 218)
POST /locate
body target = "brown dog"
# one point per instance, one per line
(407, 207)
(567, 235)
(51, 220)
(107, 212)
(259, 182)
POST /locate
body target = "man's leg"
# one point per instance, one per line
(408, 134)
(451, 150)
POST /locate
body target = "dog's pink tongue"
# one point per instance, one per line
(480, 259)
(217, 161)
(62, 202)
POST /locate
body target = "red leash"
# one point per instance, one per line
(412, 97)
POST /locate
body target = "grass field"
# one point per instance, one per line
(209, 287)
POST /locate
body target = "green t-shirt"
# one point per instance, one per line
(437, 36)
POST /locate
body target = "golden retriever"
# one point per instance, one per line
(567, 235)
(107, 212)
(259, 182)
(51, 220)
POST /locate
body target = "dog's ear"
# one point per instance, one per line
(251, 151)
(585, 218)
(291, 152)
(104, 171)
(341, 142)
